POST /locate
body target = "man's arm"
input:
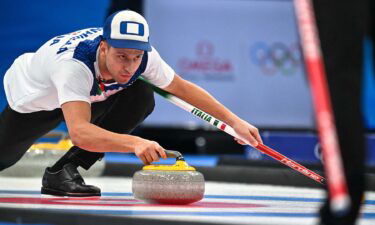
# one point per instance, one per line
(90, 137)
(201, 99)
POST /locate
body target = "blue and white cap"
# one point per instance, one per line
(127, 29)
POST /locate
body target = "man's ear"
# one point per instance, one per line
(103, 47)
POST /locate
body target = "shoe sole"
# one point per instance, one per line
(48, 191)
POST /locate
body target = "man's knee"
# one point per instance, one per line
(11, 153)
(145, 96)
(129, 108)
(4, 166)
(8, 162)
(150, 105)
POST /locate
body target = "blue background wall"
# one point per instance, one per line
(26, 25)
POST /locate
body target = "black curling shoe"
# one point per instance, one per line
(67, 182)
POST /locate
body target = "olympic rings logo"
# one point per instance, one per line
(276, 57)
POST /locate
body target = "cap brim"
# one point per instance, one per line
(140, 45)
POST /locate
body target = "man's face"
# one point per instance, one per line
(122, 63)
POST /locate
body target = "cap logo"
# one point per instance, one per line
(132, 28)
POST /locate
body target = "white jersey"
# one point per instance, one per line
(66, 69)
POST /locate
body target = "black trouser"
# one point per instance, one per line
(120, 113)
(342, 25)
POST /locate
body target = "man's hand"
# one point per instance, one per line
(247, 132)
(149, 151)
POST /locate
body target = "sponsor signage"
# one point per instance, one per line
(205, 64)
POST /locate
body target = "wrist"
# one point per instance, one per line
(233, 120)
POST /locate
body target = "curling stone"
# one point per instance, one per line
(176, 184)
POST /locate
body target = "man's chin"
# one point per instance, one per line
(123, 80)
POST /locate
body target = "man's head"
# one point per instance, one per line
(126, 37)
